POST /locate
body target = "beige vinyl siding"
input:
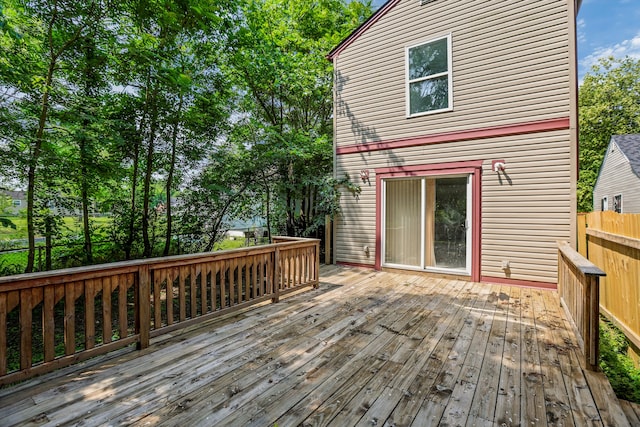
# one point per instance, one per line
(521, 219)
(505, 54)
(617, 177)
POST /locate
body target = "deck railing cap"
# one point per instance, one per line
(585, 266)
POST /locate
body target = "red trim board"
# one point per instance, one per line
(465, 135)
(470, 167)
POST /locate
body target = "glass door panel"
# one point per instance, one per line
(403, 222)
(427, 223)
(450, 223)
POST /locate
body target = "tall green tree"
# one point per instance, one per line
(279, 65)
(51, 29)
(164, 64)
(609, 104)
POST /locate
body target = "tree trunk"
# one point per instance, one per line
(146, 194)
(48, 232)
(174, 139)
(89, 85)
(268, 208)
(33, 164)
(85, 217)
(132, 219)
(42, 120)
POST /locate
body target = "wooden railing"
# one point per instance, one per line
(579, 292)
(53, 319)
(612, 242)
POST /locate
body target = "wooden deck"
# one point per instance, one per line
(366, 348)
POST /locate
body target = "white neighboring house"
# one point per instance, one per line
(618, 185)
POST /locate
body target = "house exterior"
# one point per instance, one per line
(459, 121)
(18, 201)
(618, 185)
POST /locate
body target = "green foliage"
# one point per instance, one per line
(609, 104)
(617, 366)
(279, 67)
(197, 112)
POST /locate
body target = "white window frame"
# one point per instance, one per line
(448, 73)
(17, 203)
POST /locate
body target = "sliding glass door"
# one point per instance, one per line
(427, 223)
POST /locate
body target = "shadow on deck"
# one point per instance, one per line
(366, 348)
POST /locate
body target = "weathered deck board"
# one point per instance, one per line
(366, 348)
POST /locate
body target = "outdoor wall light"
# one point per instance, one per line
(498, 165)
(364, 175)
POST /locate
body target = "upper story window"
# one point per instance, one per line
(429, 87)
(17, 202)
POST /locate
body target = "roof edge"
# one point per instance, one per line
(362, 28)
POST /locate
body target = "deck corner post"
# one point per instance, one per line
(316, 275)
(144, 294)
(560, 277)
(327, 241)
(277, 272)
(594, 327)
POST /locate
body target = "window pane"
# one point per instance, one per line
(428, 95)
(450, 240)
(428, 59)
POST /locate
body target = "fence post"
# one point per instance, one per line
(144, 322)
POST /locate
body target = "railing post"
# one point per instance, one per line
(144, 294)
(277, 272)
(579, 292)
(316, 273)
(327, 241)
(594, 318)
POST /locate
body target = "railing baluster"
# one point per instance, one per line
(70, 319)
(48, 322)
(25, 329)
(89, 315)
(143, 326)
(107, 330)
(158, 278)
(3, 333)
(122, 306)
(169, 296)
(193, 292)
(182, 293)
(202, 273)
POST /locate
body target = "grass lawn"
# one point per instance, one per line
(71, 226)
(236, 243)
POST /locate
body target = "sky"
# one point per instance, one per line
(605, 27)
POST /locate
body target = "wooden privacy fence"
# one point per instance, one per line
(578, 289)
(52, 319)
(612, 242)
